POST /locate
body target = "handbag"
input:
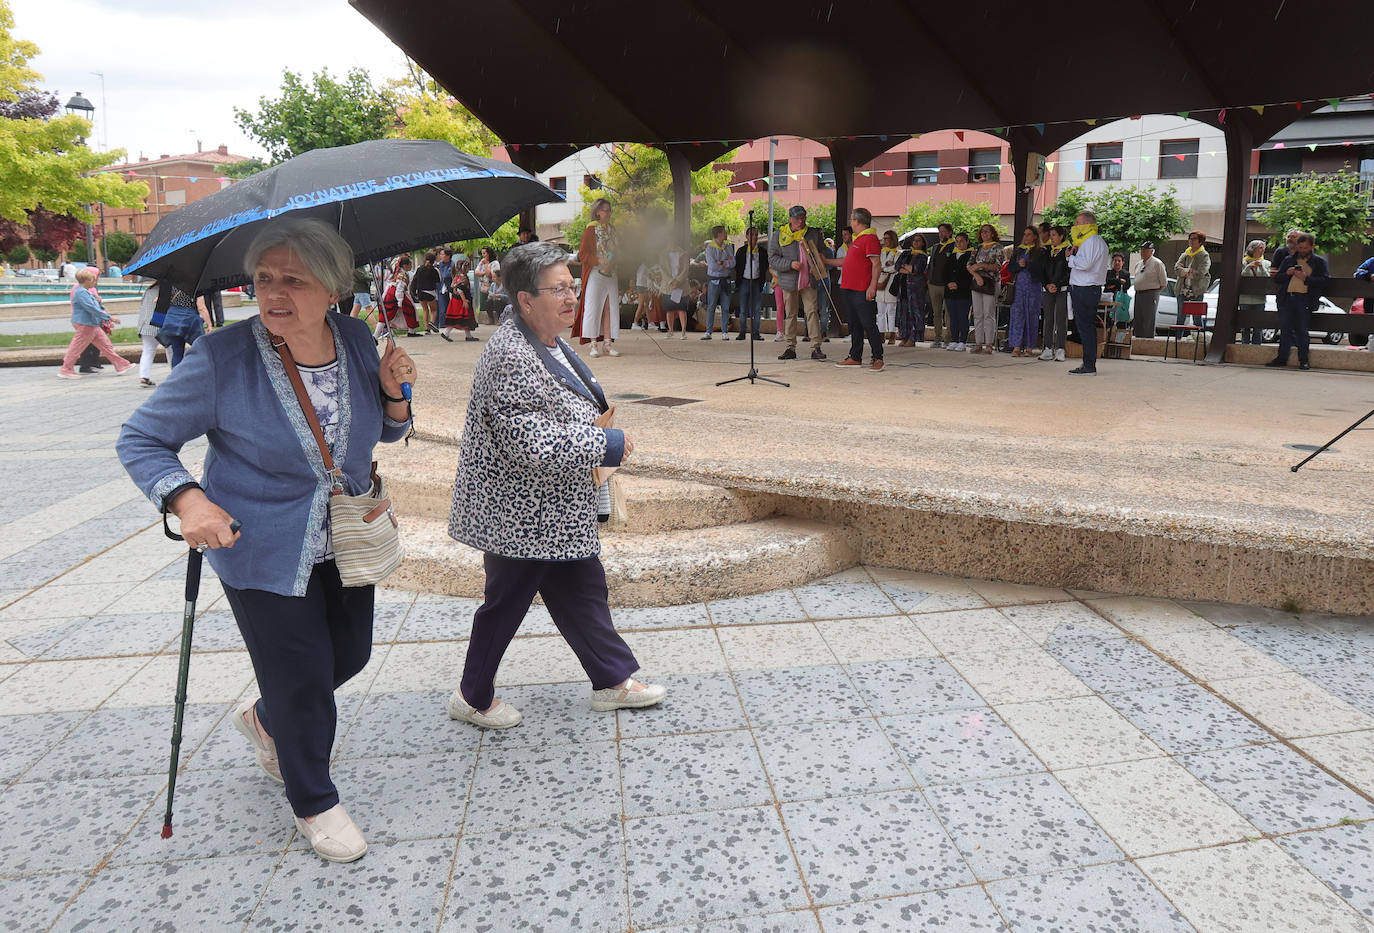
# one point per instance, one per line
(365, 533)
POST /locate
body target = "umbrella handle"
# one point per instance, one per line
(405, 386)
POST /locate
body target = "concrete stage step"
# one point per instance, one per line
(657, 569)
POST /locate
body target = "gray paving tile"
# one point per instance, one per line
(120, 742)
(118, 635)
(405, 724)
(690, 614)
(33, 643)
(395, 886)
(439, 618)
(1229, 615)
(1111, 898)
(777, 606)
(1187, 718)
(966, 910)
(686, 773)
(202, 894)
(405, 797)
(31, 903)
(1300, 646)
(913, 685)
(1113, 665)
(555, 714)
(800, 921)
(227, 748)
(799, 694)
(215, 631)
(1277, 789)
(698, 702)
(387, 619)
(550, 878)
(1343, 857)
(844, 600)
(872, 845)
(959, 745)
(821, 759)
(709, 866)
(1351, 682)
(1019, 825)
(25, 739)
(69, 824)
(523, 787)
(236, 811)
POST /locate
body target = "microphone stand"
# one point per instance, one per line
(753, 374)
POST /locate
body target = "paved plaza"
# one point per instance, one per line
(880, 750)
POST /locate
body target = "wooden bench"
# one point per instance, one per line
(1321, 320)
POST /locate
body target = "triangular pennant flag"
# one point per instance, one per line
(724, 143)
(696, 144)
(1135, 117)
(1221, 115)
(1077, 165)
(1312, 146)
(543, 145)
(514, 147)
(1091, 122)
(882, 138)
(915, 135)
(1184, 113)
(865, 174)
(1298, 104)
(1258, 108)
(999, 130)
(1049, 167)
(1182, 157)
(887, 172)
(767, 179)
(1279, 146)
(1334, 103)
(1040, 128)
(572, 146)
(1212, 154)
(1116, 161)
(1346, 143)
(1145, 159)
(193, 179)
(752, 185)
(959, 134)
(851, 138)
(793, 177)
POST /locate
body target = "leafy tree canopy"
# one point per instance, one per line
(821, 216)
(53, 232)
(19, 255)
(119, 246)
(1333, 208)
(45, 161)
(318, 114)
(1126, 216)
(963, 216)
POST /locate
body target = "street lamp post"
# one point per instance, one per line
(79, 105)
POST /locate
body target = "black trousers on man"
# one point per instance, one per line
(862, 313)
(303, 648)
(1295, 324)
(575, 593)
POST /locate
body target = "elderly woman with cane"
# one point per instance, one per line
(526, 497)
(245, 389)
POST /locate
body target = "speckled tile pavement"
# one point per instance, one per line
(881, 750)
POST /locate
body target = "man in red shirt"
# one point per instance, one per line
(859, 290)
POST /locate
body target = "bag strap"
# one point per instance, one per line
(303, 399)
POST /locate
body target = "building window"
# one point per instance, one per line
(1104, 162)
(825, 168)
(1178, 158)
(559, 185)
(985, 165)
(587, 180)
(923, 168)
(1280, 162)
(780, 178)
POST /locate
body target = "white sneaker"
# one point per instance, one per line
(617, 698)
(611, 350)
(1059, 356)
(334, 836)
(777, 338)
(1048, 354)
(595, 351)
(684, 335)
(502, 717)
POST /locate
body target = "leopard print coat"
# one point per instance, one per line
(524, 486)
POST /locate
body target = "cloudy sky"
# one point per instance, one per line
(174, 71)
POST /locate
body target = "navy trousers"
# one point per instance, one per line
(303, 648)
(863, 319)
(1295, 320)
(575, 593)
(1084, 300)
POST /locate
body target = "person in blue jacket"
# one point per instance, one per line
(306, 633)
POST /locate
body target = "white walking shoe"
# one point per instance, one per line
(503, 716)
(627, 697)
(595, 350)
(334, 836)
(1059, 356)
(611, 350)
(1047, 355)
(266, 749)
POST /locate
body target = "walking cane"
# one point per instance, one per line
(188, 621)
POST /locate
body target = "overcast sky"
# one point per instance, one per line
(174, 71)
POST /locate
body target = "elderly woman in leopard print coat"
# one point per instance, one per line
(524, 494)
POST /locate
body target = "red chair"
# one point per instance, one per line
(1198, 310)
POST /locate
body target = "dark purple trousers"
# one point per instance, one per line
(574, 592)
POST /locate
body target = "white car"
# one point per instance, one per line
(1167, 314)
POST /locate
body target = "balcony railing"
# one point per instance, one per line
(1262, 189)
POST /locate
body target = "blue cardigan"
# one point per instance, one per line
(263, 466)
(86, 308)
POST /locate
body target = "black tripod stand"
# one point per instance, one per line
(1322, 449)
(753, 374)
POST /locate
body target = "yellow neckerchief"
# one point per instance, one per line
(1190, 252)
(891, 249)
(1027, 248)
(1080, 232)
(917, 251)
(1056, 250)
(865, 232)
(960, 252)
(752, 249)
(945, 243)
(725, 245)
(787, 236)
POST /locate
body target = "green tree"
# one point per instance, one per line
(45, 161)
(1126, 216)
(242, 169)
(502, 239)
(119, 246)
(963, 216)
(1333, 208)
(425, 110)
(645, 184)
(19, 255)
(821, 216)
(318, 115)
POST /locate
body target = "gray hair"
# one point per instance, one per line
(1092, 218)
(1254, 245)
(525, 263)
(326, 255)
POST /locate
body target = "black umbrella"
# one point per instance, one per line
(385, 197)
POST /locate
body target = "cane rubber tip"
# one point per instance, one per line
(167, 831)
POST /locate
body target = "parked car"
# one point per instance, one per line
(1167, 314)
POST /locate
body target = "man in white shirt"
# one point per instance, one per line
(1088, 261)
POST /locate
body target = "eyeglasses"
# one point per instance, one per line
(559, 291)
